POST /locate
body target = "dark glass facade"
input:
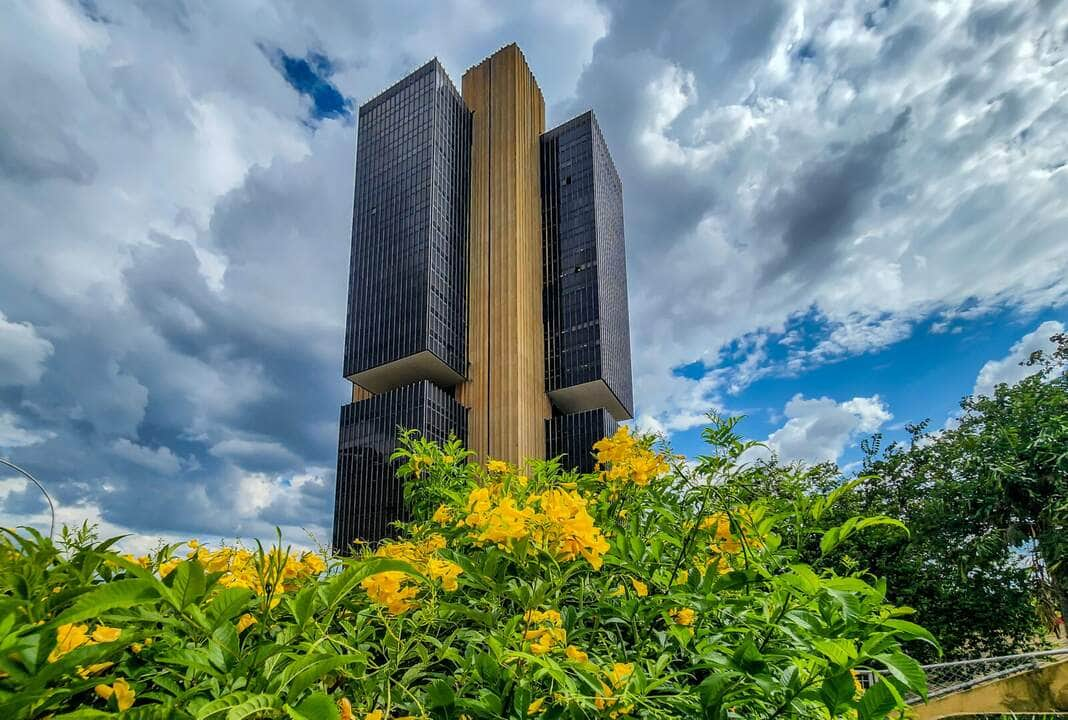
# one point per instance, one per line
(587, 335)
(406, 329)
(573, 437)
(369, 497)
(408, 267)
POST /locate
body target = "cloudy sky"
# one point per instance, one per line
(840, 216)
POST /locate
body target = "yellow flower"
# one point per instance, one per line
(124, 694)
(93, 669)
(682, 578)
(245, 621)
(136, 648)
(639, 587)
(193, 544)
(442, 515)
(373, 715)
(549, 635)
(445, 571)
(622, 457)
(69, 637)
(449, 459)
(618, 592)
(497, 466)
(535, 707)
(507, 523)
(683, 616)
(168, 567)
(344, 708)
(390, 589)
(542, 616)
(573, 653)
(103, 634)
(313, 564)
(619, 674)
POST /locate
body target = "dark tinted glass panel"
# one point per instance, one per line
(587, 335)
(408, 268)
(368, 496)
(573, 437)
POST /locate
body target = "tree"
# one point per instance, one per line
(986, 504)
(973, 595)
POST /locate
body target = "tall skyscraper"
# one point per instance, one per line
(487, 290)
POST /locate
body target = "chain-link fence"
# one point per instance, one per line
(950, 677)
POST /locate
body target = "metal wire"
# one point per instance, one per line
(950, 677)
(31, 478)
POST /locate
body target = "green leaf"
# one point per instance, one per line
(224, 648)
(115, 594)
(223, 704)
(188, 584)
(227, 604)
(254, 707)
(877, 702)
(299, 675)
(907, 671)
(910, 630)
(440, 694)
(840, 651)
(747, 657)
(837, 690)
(836, 535)
(317, 706)
(809, 580)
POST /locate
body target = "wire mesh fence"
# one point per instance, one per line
(949, 677)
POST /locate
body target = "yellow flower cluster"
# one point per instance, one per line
(622, 458)
(72, 636)
(544, 631)
(121, 690)
(724, 542)
(556, 521)
(618, 677)
(284, 570)
(395, 590)
(497, 466)
(422, 555)
(683, 616)
(392, 590)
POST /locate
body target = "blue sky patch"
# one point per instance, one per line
(310, 76)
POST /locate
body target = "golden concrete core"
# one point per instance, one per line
(506, 381)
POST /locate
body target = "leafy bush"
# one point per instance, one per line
(642, 590)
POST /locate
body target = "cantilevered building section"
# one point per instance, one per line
(487, 293)
(406, 330)
(587, 336)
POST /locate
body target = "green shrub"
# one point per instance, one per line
(643, 590)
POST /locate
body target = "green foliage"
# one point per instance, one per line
(978, 500)
(642, 591)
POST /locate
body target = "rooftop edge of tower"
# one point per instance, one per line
(433, 64)
(589, 117)
(510, 47)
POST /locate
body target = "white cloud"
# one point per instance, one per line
(242, 451)
(13, 436)
(868, 167)
(162, 459)
(819, 429)
(1008, 369)
(23, 353)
